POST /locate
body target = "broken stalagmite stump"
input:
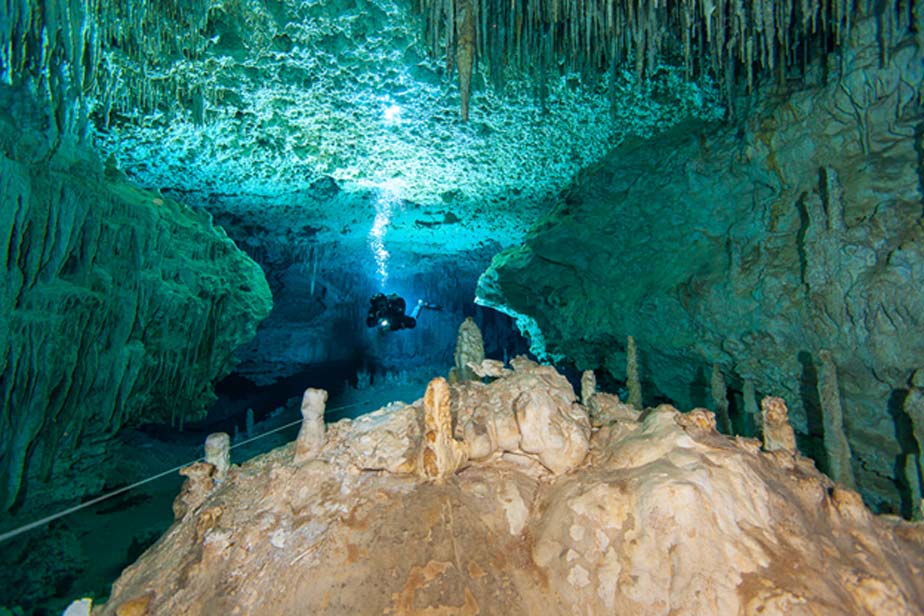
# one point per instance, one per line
(778, 434)
(218, 454)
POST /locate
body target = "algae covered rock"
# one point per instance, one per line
(117, 305)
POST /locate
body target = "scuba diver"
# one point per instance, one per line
(386, 312)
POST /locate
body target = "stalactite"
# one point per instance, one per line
(465, 51)
(59, 49)
(726, 38)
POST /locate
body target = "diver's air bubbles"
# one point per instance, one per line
(388, 198)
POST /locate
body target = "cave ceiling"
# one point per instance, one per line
(266, 109)
(262, 103)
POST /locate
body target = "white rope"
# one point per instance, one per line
(26, 528)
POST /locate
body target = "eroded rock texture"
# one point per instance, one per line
(115, 304)
(752, 248)
(659, 515)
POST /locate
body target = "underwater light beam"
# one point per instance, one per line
(393, 115)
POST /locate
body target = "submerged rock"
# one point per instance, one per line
(662, 515)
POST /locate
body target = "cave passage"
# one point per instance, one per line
(708, 204)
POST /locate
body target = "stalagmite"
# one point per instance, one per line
(441, 455)
(914, 478)
(751, 410)
(833, 199)
(310, 438)
(469, 350)
(720, 399)
(837, 446)
(588, 386)
(914, 408)
(218, 453)
(249, 424)
(778, 434)
(632, 379)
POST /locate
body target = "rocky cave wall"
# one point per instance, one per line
(753, 247)
(118, 305)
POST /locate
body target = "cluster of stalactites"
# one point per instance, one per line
(61, 49)
(732, 40)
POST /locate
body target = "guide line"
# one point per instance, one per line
(51, 518)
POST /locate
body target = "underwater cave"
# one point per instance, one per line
(666, 255)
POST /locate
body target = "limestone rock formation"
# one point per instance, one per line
(665, 516)
(469, 349)
(751, 245)
(720, 399)
(117, 305)
(535, 412)
(465, 51)
(200, 480)
(489, 368)
(588, 386)
(218, 454)
(778, 433)
(386, 439)
(607, 408)
(751, 417)
(837, 447)
(440, 454)
(310, 438)
(558, 433)
(913, 406)
(633, 380)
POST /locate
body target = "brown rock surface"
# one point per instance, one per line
(664, 515)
